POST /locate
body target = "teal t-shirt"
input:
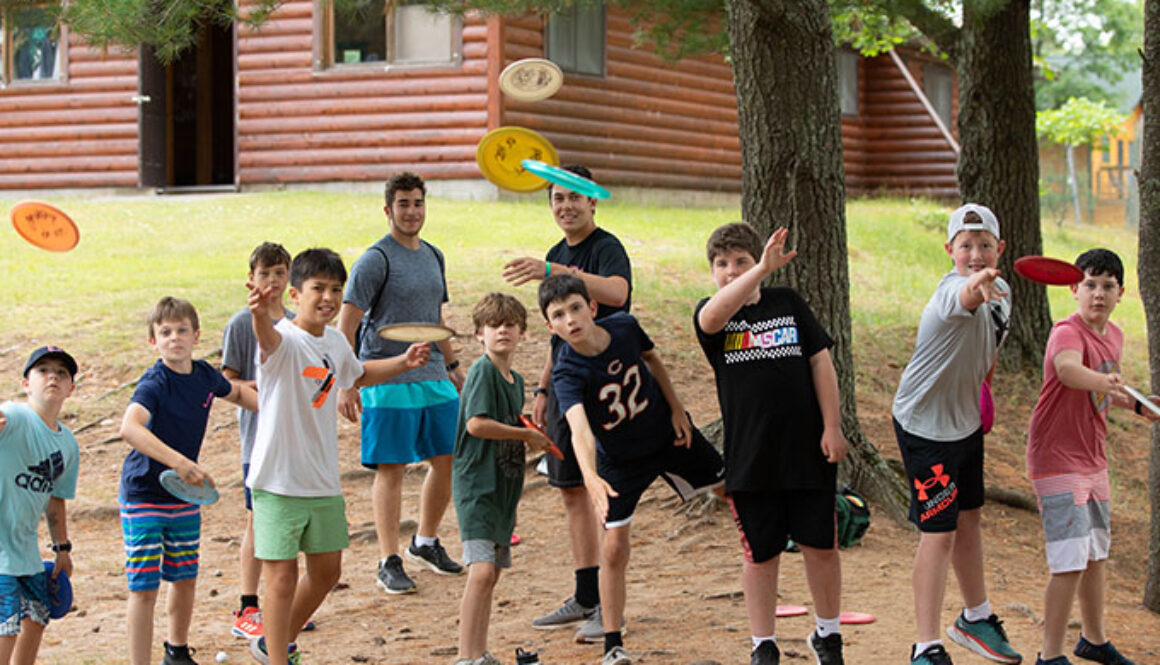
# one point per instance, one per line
(36, 464)
(487, 476)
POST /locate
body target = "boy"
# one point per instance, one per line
(939, 429)
(488, 468)
(164, 423)
(783, 431)
(1067, 461)
(39, 459)
(269, 267)
(609, 378)
(297, 493)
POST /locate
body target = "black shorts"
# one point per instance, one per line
(944, 477)
(562, 473)
(767, 520)
(689, 471)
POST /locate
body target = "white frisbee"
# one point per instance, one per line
(1148, 404)
(531, 79)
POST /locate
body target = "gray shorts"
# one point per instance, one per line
(479, 550)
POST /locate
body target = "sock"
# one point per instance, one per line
(612, 640)
(921, 647)
(979, 612)
(421, 541)
(177, 650)
(249, 601)
(827, 627)
(587, 586)
(758, 640)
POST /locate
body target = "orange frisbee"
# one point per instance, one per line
(45, 226)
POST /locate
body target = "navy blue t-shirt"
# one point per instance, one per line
(627, 412)
(178, 406)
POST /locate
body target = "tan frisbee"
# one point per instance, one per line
(531, 79)
(416, 332)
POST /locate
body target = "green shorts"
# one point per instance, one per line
(287, 525)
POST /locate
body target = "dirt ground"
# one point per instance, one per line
(684, 593)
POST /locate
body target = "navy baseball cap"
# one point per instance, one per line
(51, 352)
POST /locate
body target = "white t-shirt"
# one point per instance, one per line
(296, 447)
(938, 395)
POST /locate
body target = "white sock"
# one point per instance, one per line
(920, 647)
(827, 627)
(758, 640)
(979, 612)
(421, 541)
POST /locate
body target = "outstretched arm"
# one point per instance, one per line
(483, 427)
(731, 297)
(609, 290)
(260, 302)
(384, 369)
(980, 288)
(584, 446)
(243, 394)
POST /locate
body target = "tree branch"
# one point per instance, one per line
(937, 27)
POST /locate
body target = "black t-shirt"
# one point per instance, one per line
(626, 410)
(773, 424)
(598, 254)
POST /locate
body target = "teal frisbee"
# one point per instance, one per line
(559, 176)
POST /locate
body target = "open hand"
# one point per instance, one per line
(523, 270)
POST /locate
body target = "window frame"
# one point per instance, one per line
(946, 73)
(569, 69)
(856, 60)
(7, 53)
(324, 60)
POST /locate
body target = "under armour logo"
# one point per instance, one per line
(939, 478)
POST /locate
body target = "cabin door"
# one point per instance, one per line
(187, 120)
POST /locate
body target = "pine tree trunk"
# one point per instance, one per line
(789, 120)
(1148, 272)
(999, 166)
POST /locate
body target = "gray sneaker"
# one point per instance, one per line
(593, 630)
(392, 578)
(568, 614)
(433, 557)
(616, 656)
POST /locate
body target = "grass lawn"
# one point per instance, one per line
(134, 250)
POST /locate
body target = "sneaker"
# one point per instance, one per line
(1104, 653)
(308, 626)
(826, 650)
(258, 651)
(433, 557)
(392, 578)
(593, 630)
(616, 656)
(179, 656)
(568, 614)
(935, 655)
(1058, 660)
(248, 623)
(766, 653)
(985, 637)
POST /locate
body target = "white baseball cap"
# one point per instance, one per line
(959, 223)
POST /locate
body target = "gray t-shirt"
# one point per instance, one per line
(938, 395)
(240, 353)
(411, 290)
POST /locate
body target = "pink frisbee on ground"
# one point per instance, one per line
(856, 617)
(791, 611)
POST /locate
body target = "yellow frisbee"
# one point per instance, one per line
(500, 152)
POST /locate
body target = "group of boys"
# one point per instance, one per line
(605, 396)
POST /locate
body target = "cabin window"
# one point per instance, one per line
(575, 39)
(848, 82)
(29, 43)
(939, 87)
(403, 32)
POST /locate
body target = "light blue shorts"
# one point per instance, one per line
(404, 423)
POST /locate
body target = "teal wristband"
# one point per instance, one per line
(547, 268)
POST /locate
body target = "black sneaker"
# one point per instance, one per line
(1104, 653)
(1058, 660)
(935, 655)
(392, 578)
(433, 557)
(826, 650)
(766, 653)
(182, 655)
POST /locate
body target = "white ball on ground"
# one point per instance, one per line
(222, 657)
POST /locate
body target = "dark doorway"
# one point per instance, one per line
(186, 124)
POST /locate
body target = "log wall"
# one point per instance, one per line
(80, 131)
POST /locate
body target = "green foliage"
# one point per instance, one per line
(1078, 122)
(863, 26)
(1084, 48)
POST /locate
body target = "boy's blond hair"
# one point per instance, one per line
(735, 236)
(172, 309)
(495, 309)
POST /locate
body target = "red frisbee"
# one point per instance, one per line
(551, 446)
(1049, 271)
(790, 611)
(856, 617)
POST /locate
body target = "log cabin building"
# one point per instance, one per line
(325, 93)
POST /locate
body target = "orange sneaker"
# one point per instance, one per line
(248, 623)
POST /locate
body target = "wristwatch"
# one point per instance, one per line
(66, 546)
(537, 391)
(452, 366)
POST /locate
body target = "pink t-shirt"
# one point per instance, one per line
(1068, 426)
